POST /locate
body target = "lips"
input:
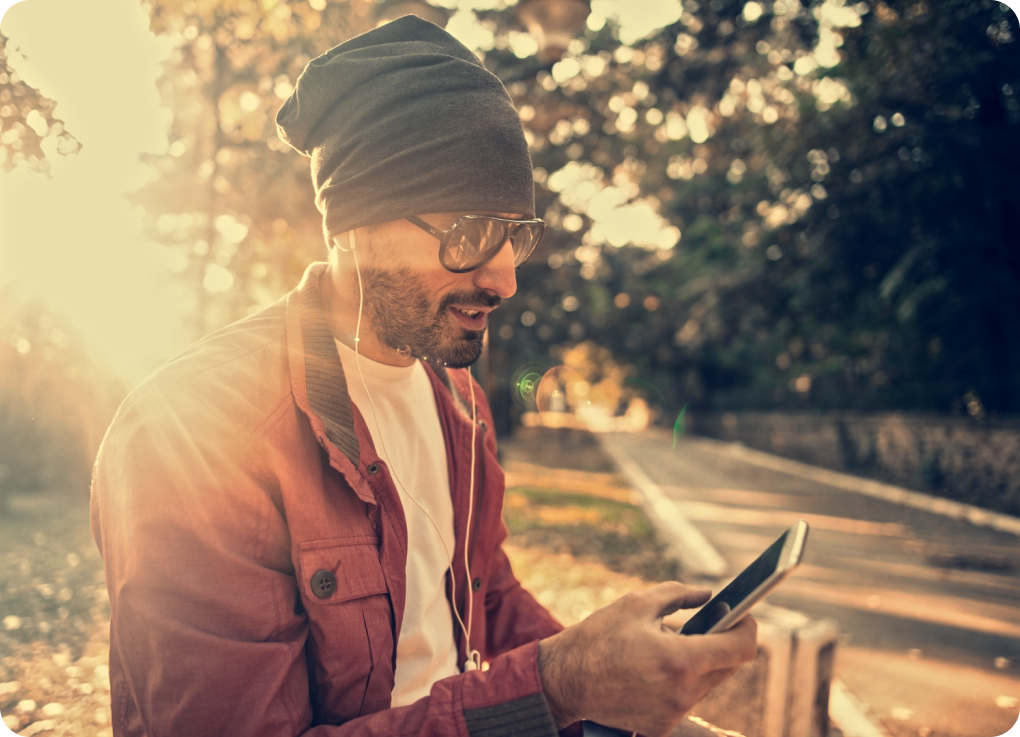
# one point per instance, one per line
(472, 318)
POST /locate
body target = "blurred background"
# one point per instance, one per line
(753, 207)
(786, 223)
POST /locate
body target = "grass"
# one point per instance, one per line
(578, 538)
(615, 534)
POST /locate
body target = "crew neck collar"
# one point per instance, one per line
(372, 368)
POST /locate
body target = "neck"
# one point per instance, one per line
(340, 290)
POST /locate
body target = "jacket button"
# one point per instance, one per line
(323, 584)
(373, 469)
(476, 585)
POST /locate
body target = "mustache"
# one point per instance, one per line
(470, 299)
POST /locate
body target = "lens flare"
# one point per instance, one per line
(524, 383)
(651, 390)
(562, 389)
(680, 426)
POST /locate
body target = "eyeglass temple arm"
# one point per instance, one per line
(430, 229)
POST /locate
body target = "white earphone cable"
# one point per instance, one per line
(473, 656)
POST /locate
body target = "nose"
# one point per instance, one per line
(498, 275)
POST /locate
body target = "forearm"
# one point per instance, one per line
(560, 685)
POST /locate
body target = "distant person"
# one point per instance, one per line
(300, 516)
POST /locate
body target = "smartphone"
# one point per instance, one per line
(728, 606)
(733, 602)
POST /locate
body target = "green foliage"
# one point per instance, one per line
(842, 176)
(850, 248)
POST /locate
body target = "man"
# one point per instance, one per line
(300, 515)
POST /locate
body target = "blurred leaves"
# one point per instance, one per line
(26, 119)
(55, 403)
(844, 204)
(764, 204)
(233, 203)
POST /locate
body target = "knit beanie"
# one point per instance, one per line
(405, 120)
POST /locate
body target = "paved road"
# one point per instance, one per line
(922, 642)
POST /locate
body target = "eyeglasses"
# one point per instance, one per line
(473, 240)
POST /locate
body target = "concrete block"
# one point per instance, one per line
(784, 691)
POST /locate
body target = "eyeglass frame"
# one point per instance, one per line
(443, 236)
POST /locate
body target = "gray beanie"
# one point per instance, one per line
(404, 120)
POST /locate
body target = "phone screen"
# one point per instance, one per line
(739, 589)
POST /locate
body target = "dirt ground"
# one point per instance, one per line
(577, 541)
(54, 620)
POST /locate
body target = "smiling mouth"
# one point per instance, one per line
(472, 319)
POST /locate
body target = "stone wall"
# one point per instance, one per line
(971, 461)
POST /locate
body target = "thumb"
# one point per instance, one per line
(666, 598)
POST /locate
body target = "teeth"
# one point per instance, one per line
(470, 313)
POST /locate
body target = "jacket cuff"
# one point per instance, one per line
(525, 717)
(507, 699)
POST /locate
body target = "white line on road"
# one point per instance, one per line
(696, 554)
(887, 492)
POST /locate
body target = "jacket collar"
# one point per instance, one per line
(317, 376)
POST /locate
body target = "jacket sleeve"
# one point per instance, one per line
(513, 616)
(207, 634)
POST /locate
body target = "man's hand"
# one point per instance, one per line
(621, 667)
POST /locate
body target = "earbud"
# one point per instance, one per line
(350, 242)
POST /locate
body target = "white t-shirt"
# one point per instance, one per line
(411, 443)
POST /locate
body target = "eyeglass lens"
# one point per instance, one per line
(472, 242)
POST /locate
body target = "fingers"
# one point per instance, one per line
(666, 598)
(723, 650)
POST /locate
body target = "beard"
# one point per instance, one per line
(405, 315)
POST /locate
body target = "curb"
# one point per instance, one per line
(887, 492)
(848, 713)
(696, 554)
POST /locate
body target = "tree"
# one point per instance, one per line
(842, 200)
(55, 402)
(233, 201)
(26, 119)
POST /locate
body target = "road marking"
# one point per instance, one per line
(950, 611)
(709, 512)
(887, 492)
(745, 497)
(1010, 585)
(697, 555)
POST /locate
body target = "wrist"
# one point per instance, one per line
(559, 686)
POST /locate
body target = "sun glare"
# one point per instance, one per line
(72, 239)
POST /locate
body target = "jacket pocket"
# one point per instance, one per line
(350, 640)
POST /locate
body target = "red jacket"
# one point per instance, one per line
(232, 477)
